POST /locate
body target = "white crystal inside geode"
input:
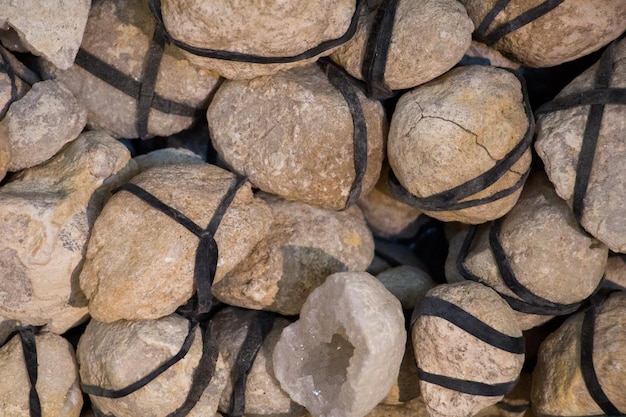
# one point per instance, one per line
(343, 355)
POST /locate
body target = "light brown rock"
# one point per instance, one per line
(407, 283)
(5, 152)
(45, 220)
(276, 131)
(8, 82)
(615, 272)
(453, 129)
(58, 386)
(304, 246)
(7, 327)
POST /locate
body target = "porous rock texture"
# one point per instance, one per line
(119, 33)
(49, 28)
(41, 123)
(453, 129)
(558, 385)
(304, 246)
(118, 354)
(58, 385)
(45, 220)
(140, 262)
(559, 141)
(344, 353)
(429, 37)
(269, 29)
(276, 130)
(407, 283)
(573, 29)
(546, 250)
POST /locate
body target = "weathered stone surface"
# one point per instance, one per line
(444, 32)
(547, 252)
(7, 327)
(41, 123)
(304, 246)
(442, 348)
(573, 29)
(559, 140)
(495, 58)
(276, 131)
(5, 152)
(45, 220)
(455, 128)
(270, 29)
(119, 33)
(413, 408)
(49, 28)
(615, 272)
(407, 283)
(167, 156)
(118, 354)
(57, 385)
(343, 355)
(514, 404)
(558, 385)
(140, 262)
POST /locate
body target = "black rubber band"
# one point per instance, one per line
(481, 30)
(155, 8)
(150, 72)
(8, 70)
(513, 408)
(585, 98)
(22, 71)
(467, 387)
(29, 349)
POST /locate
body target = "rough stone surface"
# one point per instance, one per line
(57, 385)
(455, 128)
(343, 355)
(559, 139)
(441, 348)
(444, 31)
(42, 122)
(45, 220)
(304, 246)
(119, 33)
(275, 131)
(117, 354)
(407, 283)
(140, 262)
(7, 327)
(615, 272)
(413, 408)
(547, 252)
(558, 385)
(49, 28)
(518, 398)
(167, 156)
(5, 152)
(272, 28)
(573, 29)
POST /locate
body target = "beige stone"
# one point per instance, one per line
(615, 272)
(515, 404)
(277, 131)
(45, 220)
(455, 128)
(5, 152)
(58, 385)
(407, 283)
(304, 246)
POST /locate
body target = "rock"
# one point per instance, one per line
(49, 28)
(271, 29)
(445, 346)
(615, 272)
(7, 327)
(407, 283)
(559, 141)
(41, 123)
(515, 404)
(479, 50)
(342, 360)
(558, 384)
(5, 152)
(108, 355)
(454, 129)
(444, 31)
(140, 262)
(58, 386)
(413, 408)
(273, 130)
(167, 156)
(406, 387)
(573, 29)
(304, 246)
(45, 220)
(12, 86)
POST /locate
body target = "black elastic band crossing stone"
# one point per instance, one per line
(513, 408)
(465, 386)
(29, 349)
(150, 72)
(7, 68)
(585, 98)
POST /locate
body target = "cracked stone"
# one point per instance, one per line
(407, 283)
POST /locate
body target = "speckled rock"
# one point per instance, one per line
(140, 262)
(573, 29)
(269, 29)
(57, 385)
(615, 272)
(5, 152)
(108, 357)
(274, 129)
(455, 128)
(342, 361)
(407, 283)
(444, 31)
(45, 220)
(558, 385)
(304, 246)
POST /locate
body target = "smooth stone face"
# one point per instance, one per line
(304, 246)
(453, 129)
(274, 129)
(343, 355)
(407, 283)
(45, 220)
(57, 385)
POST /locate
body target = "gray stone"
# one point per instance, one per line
(407, 283)
(344, 353)
(166, 156)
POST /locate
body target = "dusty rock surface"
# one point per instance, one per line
(407, 283)
(516, 403)
(5, 152)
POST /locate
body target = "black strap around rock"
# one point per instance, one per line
(465, 386)
(29, 349)
(14, 69)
